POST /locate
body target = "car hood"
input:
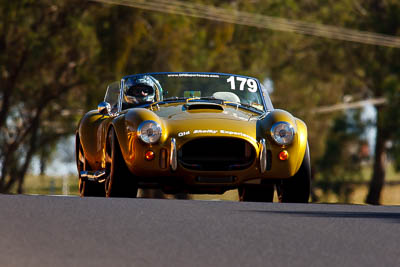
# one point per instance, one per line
(187, 121)
(204, 111)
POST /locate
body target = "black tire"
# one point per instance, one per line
(120, 182)
(297, 188)
(257, 193)
(86, 188)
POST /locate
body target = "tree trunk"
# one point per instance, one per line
(378, 175)
(29, 155)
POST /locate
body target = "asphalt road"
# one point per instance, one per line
(72, 231)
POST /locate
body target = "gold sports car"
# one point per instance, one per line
(193, 133)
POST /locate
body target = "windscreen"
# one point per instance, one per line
(227, 87)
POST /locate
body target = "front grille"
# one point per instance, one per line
(216, 154)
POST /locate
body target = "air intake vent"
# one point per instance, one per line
(203, 106)
(216, 154)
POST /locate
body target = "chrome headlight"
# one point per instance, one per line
(149, 132)
(282, 133)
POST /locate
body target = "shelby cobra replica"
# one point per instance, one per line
(193, 133)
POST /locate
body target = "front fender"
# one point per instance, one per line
(302, 137)
(296, 149)
(91, 135)
(126, 126)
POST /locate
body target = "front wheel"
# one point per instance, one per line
(86, 188)
(297, 188)
(119, 182)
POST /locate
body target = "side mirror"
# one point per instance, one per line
(104, 108)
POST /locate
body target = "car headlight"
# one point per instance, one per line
(149, 132)
(282, 133)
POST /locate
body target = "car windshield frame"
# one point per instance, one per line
(260, 90)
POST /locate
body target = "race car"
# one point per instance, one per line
(192, 133)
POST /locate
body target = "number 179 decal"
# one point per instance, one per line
(251, 84)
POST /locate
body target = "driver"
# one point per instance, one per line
(140, 90)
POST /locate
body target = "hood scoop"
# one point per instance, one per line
(203, 106)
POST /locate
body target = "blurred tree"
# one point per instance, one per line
(337, 68)
(376, 70)
(340, 166)
(57, 54)
(46, 49)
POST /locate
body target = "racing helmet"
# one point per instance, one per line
(140, 90)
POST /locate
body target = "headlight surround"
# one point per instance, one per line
(283, 133)
(149, 132)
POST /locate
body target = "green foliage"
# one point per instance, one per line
(392, 116)
(58, 57)
(340, 166)
(47, 50)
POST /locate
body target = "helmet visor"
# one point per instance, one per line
(140, 91)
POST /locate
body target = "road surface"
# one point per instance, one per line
(73, 231)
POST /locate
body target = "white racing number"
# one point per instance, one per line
(251, 84)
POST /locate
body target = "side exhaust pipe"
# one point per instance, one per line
(93, 176)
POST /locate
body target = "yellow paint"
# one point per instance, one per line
(185, 126)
